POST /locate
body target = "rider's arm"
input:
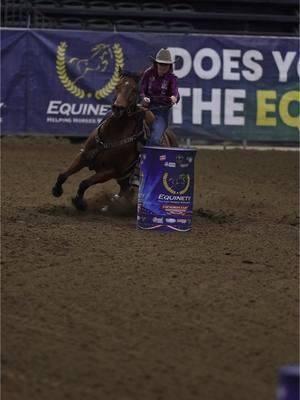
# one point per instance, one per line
(174, 88)
(144, 84)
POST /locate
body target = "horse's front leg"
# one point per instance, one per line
(77, 164)
(81, 160)
(100, 177)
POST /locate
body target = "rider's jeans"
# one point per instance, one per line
(159, 125)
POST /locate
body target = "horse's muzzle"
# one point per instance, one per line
(118, 111)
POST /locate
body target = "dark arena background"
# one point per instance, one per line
(92, 307)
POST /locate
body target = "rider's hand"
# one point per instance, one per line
(173, 99)
(146, 101)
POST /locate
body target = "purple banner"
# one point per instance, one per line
(232, 87)
(14, 68)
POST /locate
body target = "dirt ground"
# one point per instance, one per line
(93, 308)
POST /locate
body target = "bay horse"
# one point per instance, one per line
(112, 149)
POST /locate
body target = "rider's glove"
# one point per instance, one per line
(173, 99)
(146, 101)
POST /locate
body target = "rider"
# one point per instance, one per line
(159, 92)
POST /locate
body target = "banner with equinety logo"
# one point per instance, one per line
(232, 87)
(13, 102)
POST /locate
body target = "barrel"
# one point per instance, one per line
(288, 383)
(165, 199)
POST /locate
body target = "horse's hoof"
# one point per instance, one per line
(104, 209)
(80, 204)
(114, 197)
(57, 191)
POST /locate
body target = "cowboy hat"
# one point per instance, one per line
(163, 56)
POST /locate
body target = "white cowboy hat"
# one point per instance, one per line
(163, 57)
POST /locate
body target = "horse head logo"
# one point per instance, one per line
(99, 59)
(176, 184)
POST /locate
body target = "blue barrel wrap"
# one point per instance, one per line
(165, 200)
(288, 385)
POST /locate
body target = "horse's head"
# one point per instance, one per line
(126, 94)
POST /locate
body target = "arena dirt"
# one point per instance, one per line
(93, 308)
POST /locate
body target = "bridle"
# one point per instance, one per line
(120, 111)
(131, 110)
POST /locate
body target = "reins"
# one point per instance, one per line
(144, 109)
(121, 142)
(133, 138)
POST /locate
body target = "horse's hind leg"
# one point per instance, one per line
(100, 177)
(77, 164)
(124, 186)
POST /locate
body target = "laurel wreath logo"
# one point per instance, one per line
(119, 64)
(61, 70)
(171, 190)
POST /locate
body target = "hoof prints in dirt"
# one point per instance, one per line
(56, 210)
(46, 214)
(290, 219)
(218, 217)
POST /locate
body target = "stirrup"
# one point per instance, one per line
(134, 181)
(140, 147)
